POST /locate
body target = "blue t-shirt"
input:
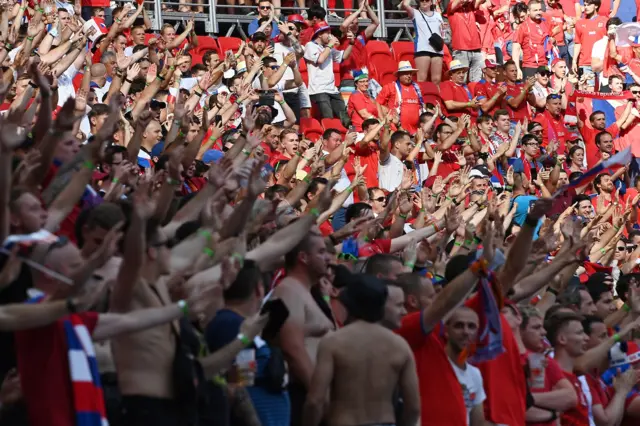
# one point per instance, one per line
(254, 25)
(273, 409)
(523, 202)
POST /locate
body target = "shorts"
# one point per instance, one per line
(145, 410)
(427, 54)
(303, 93)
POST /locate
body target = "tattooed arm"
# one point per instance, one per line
(242, 409)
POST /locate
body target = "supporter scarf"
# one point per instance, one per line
(604, 96)
(88, 401)
(489, 342)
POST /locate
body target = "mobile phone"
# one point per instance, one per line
(580, 72)
(217, 119)
(266, 99)
(278, 314)
(352, 129)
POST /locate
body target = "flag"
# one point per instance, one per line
(622, 158)
(605, 102)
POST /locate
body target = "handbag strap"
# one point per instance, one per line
(425, 21)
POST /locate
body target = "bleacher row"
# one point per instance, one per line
(382, 60)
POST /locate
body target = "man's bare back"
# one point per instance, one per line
(361, 365)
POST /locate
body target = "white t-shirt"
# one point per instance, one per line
(390, 173)
(598, 51)
(65, 85)
(434, 22)
(470, 380)
(279, 52)
(321, 78)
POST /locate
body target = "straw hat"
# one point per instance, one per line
(405, 66)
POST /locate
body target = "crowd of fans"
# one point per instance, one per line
(182, 246)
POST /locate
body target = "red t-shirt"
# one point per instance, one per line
(504, 381)
(588, 31)
(578, 416)
(370, 156)
(486, 90)
(358, 58)
(555, 17)
(410, 108)
(552, 375)
(43, 364)
(569, 7)
(486, 24)
(464, 31)
(378, 246)
(605, 8)
(359, 101)
(530, 35)
(553, 128)
(589, 135)
(451, 91)
(520, 113)
(441, 399)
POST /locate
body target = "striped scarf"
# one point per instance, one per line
(88, 401)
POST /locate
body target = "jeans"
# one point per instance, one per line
(87, 13)
(587, 69)
(293, 100)
(473, 58)
(331, 105)
(564, 54)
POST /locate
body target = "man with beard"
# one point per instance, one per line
(455, 92)
(603, 185)
(305, 265)
(552, 120)
(403, 97)
(530, 41)
(441, 398)
(515, 100)
(347, 357)
(460, 332)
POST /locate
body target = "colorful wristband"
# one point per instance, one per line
(314, 212)
(208, 252)
(183, 307)
(244, 339)
(626, 308)
(616, 338)
(89, 165)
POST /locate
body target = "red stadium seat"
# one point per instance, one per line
(149, 36)
(403, 51)
(377, 52)
(302, 66)
(228, 43)
(311, 128)
(207, 43)
(336, 73)
(334, 123)
(196, 58)
(383, 72)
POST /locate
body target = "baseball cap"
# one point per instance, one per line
(542, 68)
(490, 63)
(259, 36)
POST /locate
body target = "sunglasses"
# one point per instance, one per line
(635, 92)
(380, 199)
(274, 67)
(621, 248)
(554, 96)
(265, 7)
(545, 73)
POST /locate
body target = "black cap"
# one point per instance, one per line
(365, 297)
(543, 68)
(259, 36)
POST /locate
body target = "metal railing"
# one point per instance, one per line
(394, 23)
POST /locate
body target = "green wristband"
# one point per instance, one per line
(208, 252)
(314, 212)
(183, 307)
(626, 308)
(403, 216)
(205, 233)
(616, 338)
(410, 265)
(89, 165)
(244, 339)
(238, 256)
(457, 244)
(115, 180)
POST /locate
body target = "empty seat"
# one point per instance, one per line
(207, 43)
(228, 43)
(333, 123)
(311, 128)
(403, 51)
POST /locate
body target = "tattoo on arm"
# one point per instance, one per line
(243, 409)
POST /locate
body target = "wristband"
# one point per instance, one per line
(477, 240)
(508, 188)
(314, 212)
(246, 152)
(479, 267)
(183, 307)
(410, 265)
(457, 243)
(306, 180)
(205, 233)
(626, 308)
(528, 220)
(71, 306)
(366, 239)
(552, 291)
(172, 68)
(299, 154)
(29, 38)
(159, 77)
(115, 180)
(244, 339)
(468, 242)
(281, 102)
(199, 94)
(32, 84)
(89, 165)
(435, 227)
(603, 250)
(173, 182)
(403, 216)
(128, 81)
(616, 338)
(326, 298)
(617, 228)
(238, 256)
(208, 252)
(350, 191)
(422, 210)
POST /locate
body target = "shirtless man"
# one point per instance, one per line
(347, 358)
(305, 265)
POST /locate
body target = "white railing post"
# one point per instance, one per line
(157, 18)
(381, 31)
(211, 26)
